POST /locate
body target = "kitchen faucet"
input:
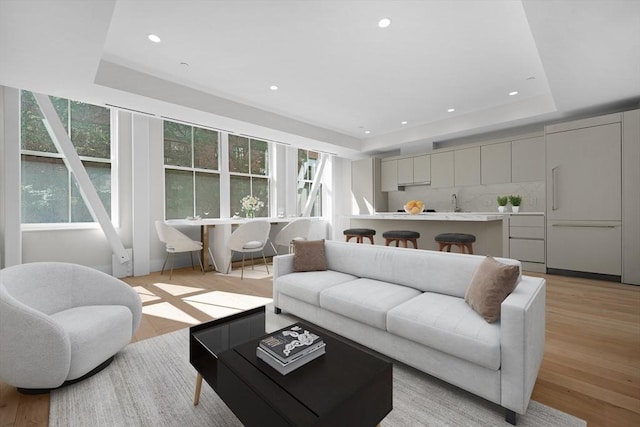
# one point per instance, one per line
(454, 203)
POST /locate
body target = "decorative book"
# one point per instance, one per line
(290, 343)
(285, 368)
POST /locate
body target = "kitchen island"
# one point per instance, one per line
(490, 228)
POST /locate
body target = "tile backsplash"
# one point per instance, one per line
(479, 198)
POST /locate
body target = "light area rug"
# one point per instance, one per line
(151, 383)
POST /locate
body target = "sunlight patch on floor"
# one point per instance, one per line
(215, 311)
(145, 294)
(177, 290)
(228, 299)
(169, 311)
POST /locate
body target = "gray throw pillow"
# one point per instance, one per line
(491, 283)
(309, 255)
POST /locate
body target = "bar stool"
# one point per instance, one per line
(403, 236)
(359, 234)
(461, 240)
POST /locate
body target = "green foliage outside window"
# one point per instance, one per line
(191, 155)
(249, 169)
(50, 193)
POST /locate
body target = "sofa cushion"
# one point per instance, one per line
(306, 286)
(447, 324)
(490, 285)
(309, 255)
(366, 300)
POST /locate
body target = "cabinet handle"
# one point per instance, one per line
(586, 225)
(553, 189)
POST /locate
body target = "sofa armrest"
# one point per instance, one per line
(282, 264)
(522, 329)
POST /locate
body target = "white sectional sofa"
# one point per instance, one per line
(409, 305)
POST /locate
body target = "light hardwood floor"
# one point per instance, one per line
(591, 367)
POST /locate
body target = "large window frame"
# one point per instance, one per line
(198, 170)
(249, 173)
(38, 153)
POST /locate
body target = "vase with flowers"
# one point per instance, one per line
(250, 205)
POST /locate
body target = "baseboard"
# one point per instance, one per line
(585, 275)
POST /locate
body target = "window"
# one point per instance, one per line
(191, 174)
(307, 164)
(249, 172)
(50, 193)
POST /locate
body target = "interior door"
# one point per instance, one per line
(584, 178)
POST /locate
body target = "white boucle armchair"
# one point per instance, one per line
(60, 323)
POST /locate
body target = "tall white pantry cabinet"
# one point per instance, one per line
(585, 198)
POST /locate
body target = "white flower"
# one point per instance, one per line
(250, 203)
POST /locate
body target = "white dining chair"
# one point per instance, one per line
(295, 230)
(249, 237)
(176, 242)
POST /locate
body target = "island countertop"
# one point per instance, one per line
(435, 216)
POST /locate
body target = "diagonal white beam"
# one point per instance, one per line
(315, 185)
(74, 164)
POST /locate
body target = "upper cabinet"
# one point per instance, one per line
(422, 169)
(467, 166)
(389, 175)
(527, 160)
(442, 169)
(405, 171)
(495, 163)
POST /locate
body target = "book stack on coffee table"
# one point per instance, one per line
(289, 348)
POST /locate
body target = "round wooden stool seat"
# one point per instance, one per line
(461, 240)
(359, 234)
(401, 236)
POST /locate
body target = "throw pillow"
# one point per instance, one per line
(491, 283)
(308, 255)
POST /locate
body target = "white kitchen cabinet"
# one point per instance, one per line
(631, 198)
(584, 187)
(366, 191)
(405, 171)
(584, 178)
(389, 175)
(442, 170)
(585, 246)
(527, 241)
(527, 160)
(467, 166)
(422, 169)
(495, 163)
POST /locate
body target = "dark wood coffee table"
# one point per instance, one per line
(348, 386)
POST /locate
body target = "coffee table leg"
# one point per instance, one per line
(196, 397)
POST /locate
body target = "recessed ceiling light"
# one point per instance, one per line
(451, 110)
(154, 38)
(367, 131)
(403, 123)
(515, 92)
(384, 22)
(273, 87)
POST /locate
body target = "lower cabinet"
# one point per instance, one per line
(585, 246)
(526, 241)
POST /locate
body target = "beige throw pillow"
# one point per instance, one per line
(492, 282)
(309, 255)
